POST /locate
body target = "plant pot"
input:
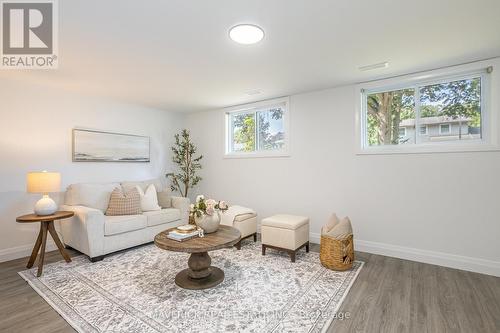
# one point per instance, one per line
(209, 223)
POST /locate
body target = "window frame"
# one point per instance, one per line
(489, 115)
(441, 128)
(254, 108)
(402, 128)
(426, 130)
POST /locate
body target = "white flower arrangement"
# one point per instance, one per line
(209, 207)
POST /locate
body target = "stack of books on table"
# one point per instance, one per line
(182, 236)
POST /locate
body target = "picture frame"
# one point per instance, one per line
(100, 146)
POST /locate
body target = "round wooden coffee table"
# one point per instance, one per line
(200, 275)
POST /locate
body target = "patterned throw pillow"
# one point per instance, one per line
(128, 203)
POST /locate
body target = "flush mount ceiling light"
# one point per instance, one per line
(384, 64)
(246, 34)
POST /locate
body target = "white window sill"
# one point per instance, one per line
(428, 149)
(257, 155)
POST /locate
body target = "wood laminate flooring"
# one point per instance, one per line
(389, 295)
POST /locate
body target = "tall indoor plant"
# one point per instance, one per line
(188, 164)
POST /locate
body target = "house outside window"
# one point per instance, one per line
(258, 129)
(445, 111)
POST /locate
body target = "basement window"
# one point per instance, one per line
(442, 113)
(258, 129)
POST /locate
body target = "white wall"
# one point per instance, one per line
(411, 206)
(35, 134)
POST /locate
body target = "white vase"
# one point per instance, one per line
(209, 223)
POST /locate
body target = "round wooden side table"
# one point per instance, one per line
(200, 274)
(46, 225)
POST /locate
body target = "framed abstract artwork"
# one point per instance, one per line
(97, 146)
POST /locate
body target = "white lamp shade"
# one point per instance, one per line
(43, 182)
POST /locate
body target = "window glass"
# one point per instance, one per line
(260, 129)
(270, 129)
(243, 133)
(451, 110)
(386, 112)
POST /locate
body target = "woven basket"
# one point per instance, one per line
(336, 254)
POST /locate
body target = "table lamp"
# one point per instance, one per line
(44, 182)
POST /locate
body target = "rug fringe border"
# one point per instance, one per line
(327, 324)
(47, 299)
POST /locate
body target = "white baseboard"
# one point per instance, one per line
(477, 265)
(23, 251)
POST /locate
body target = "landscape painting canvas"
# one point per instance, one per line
(95, 146)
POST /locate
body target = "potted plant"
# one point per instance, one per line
(188, 164)
(206, 213)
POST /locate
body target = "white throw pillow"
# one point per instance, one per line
(149, 199)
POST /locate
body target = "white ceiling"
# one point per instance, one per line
(176, 54)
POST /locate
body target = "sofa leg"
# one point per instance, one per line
(263, 250)
(307, 247)
(255, 237)
(96, 259)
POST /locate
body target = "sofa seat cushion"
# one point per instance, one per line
(125, 223)
(284, 221)
(165, 215)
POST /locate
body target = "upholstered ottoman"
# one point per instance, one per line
(242, 218)
(285, 232)
(247, 225)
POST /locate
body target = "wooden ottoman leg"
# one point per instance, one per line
(255, 237)
(238, 245)
(307, 247)
(263, 250)
(292, 256)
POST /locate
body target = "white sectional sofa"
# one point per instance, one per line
(91, 232)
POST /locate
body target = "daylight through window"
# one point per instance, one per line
(445, 111)
(257, 130)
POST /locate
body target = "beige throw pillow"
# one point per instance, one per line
(342, 229)
(164, 199)
(332, 222)
(120, 203)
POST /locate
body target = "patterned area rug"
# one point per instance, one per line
(134, 291)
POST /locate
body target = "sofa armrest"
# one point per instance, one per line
(182, 204)
(85, 231)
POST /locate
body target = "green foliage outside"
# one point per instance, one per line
(457, 99)
(245, 126)
(385, 111)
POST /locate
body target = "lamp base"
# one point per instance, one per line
(45, 206)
